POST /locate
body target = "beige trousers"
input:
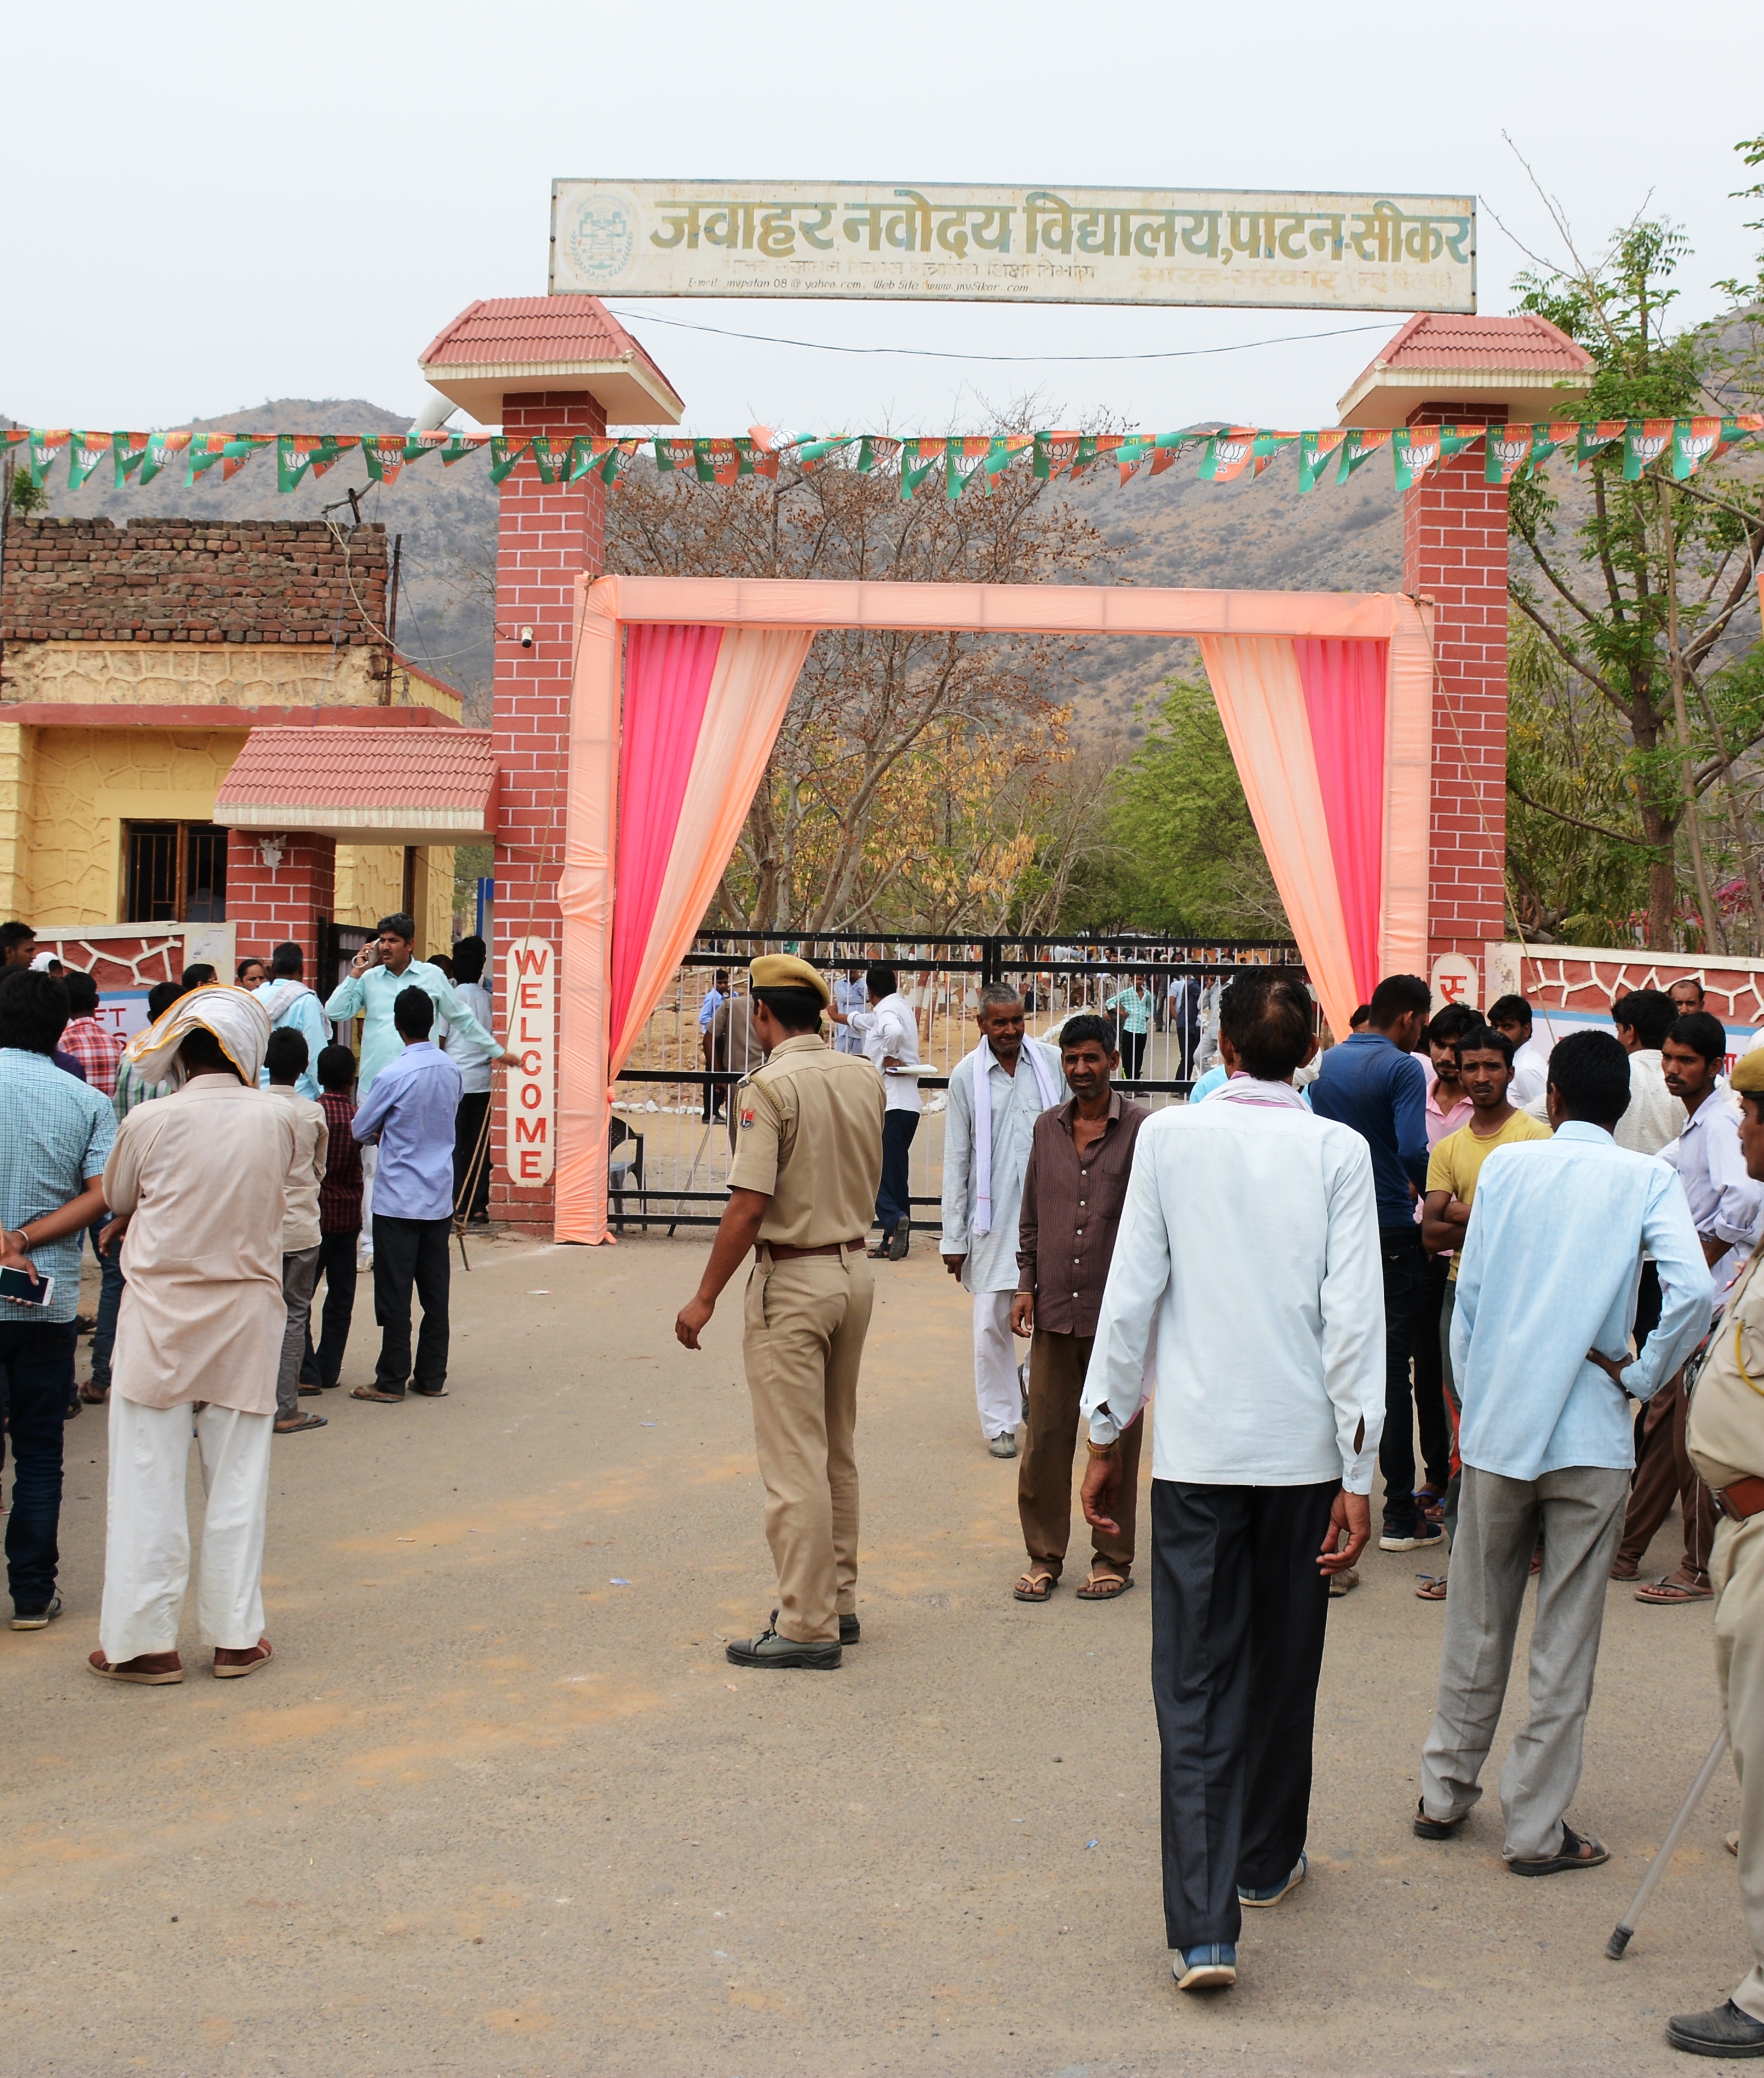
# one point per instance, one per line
(802, 1342)
(1736, 1574)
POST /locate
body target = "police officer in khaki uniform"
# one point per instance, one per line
(802, 1189)
(1726, 1438)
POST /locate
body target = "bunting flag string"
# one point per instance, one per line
(963, 461)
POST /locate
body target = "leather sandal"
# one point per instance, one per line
(152, 1669)
(1574, 1853)
(379, 1399)
(231, 1663)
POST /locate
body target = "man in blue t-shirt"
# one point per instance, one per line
(1371, 1081)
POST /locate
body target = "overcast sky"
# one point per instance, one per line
(208, 206)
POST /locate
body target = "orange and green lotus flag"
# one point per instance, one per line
(594, 455)
(85, 450)
(1002, 450)
(1508, 454)
(1361, 445)
(1592, 437)
(45, 444)
(505, 457)
(1644, 440)
(128, 451)
(297, 452)
(1228, 454)
(1315, 449)
(875, 450)
(450, 447)
(1695, 442)
(671, 454)
(918, 457)
(227, 452)
(387, 454)
(1416, 451)
(810, 454)
(757, 456)
(1055, 452)
(161, 449)
(964, 459)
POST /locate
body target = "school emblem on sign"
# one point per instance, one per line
(601, 236)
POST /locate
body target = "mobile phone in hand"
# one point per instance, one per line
(16, 1285)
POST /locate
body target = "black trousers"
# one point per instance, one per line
(37, 1370)
(893, 1199)
(407, 1253)
(1238, 1614)
(337, 1265)
(1132, 1055)
(468, 1120)
(1403, 1259)
(1429, 1415)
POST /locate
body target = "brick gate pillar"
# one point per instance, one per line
(292, 899)
(1466, 370)
(1454, 552)
(547, 535)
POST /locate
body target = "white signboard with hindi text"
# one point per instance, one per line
(1014, 245)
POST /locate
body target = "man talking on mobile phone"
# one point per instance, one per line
(55, 1137)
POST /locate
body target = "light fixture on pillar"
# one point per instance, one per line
(270, 851)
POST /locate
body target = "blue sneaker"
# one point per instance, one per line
(1210, 1968)
(1275, 1892)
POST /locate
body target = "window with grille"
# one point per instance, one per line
(176, 873)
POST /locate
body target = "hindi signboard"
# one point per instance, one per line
(1024, 245)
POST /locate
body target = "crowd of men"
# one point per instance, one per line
(1454, 1230)
(222, 1164)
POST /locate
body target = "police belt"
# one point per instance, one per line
(1740, 1502)
(782, 1252)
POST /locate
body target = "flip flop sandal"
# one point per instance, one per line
(1432, 1588)
(379, 1399)
(1567, 1856)
(1660, 1592)
(1040, 1587)
(1104, 1587)
(305, 1421)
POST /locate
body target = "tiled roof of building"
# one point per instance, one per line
(1526, 342)
(499, 330)
(424, 782)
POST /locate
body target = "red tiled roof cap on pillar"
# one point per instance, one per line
(1523, 365)
(552, 344)
(364, 786)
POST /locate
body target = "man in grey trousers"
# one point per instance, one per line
(1546, 1298)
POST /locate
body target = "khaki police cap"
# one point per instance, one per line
(785, 971)
(1748, 1076)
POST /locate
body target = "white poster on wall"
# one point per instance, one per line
(529, 985)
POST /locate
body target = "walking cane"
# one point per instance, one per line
(1625, 1929)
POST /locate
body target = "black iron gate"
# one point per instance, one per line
(672, 1148)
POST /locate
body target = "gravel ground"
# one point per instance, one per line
(500, 1805)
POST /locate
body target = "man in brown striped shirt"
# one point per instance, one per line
(1073, 1189)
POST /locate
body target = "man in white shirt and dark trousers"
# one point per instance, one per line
(473, 1063)
(1250, 1233)
(986, 1141)
(1724, 1202)
(1654, 1120)
(1546, 1299)
(886, 1034)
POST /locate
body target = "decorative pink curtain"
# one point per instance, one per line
(667, 677)
(687, 832)
(1282, 745)
(1344, 703)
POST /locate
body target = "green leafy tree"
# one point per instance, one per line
(1642, 591)
(1180, 851)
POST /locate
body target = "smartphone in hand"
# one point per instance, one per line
(16, 1285)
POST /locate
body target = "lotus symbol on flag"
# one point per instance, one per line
(1424, 454)
(1650, 446)
(602, 236)
(1695, 445)
(1512, 452)
(1230, 452)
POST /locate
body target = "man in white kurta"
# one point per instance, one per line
(201, 1179)
(982, 1188)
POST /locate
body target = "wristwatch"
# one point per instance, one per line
(1102, 1450)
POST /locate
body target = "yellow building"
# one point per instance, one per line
(136, 660)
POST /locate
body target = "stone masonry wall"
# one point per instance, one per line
(265, 581)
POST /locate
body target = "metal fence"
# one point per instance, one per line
(672, 1130)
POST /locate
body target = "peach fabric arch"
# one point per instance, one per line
(1325, 699)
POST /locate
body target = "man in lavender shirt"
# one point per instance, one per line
(410, 1112)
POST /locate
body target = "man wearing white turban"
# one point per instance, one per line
(199, 1182)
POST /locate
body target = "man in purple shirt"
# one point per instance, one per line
(1371, 1081)
(410, 1110)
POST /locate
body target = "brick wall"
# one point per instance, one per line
(266, 905)
(192, 581)
(547, 535)
(1454, 551)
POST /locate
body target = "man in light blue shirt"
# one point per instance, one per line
(410, 1112)
(1546, 1300)
(378, 976)
(293, 1007)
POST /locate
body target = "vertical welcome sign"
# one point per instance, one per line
(530, 990)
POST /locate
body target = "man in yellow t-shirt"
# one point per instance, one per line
(1485, 1069)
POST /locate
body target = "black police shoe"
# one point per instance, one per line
(1722, 2031)
(770, 1650)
